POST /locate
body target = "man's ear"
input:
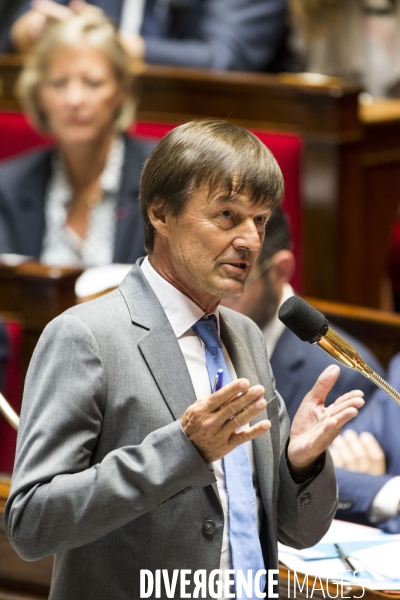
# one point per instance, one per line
(158, 218)
(284, 265)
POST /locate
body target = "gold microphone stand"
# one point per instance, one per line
(345, 353)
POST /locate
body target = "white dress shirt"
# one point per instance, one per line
(182, 313)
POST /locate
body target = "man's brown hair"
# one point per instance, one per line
(216, 153)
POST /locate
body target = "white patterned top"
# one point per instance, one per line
(61, 245)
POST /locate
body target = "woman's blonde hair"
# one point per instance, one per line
(99, 32)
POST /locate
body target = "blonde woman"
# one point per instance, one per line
(76, 204)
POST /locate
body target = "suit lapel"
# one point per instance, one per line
(29, 209)
(129, 242)
(159, 345)
(244, 367)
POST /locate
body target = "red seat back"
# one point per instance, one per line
(13, 394)
(17, 135)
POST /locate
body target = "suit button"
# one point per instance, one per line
(305, 500)
(209, 528)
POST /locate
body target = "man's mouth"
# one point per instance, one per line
(238, 267)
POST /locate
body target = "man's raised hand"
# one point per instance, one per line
(315, 426)
(211, 422)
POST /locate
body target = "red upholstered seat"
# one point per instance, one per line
(16, 136)
(13, 394)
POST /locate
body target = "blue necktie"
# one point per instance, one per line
(243, 535)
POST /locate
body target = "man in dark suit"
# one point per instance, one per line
(23, 185)
(128, 453)
(369, 485)
(244, 35)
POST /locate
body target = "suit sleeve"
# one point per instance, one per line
(5, 40)
(241, 35)
(59, 499)
(305, 511)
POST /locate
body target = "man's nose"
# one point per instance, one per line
(248, 237)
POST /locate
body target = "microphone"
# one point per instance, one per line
(311, 326)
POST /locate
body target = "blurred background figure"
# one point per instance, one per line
(353, 39)
(76, 204)
(296, 365)
(246, 35)
(367, 457)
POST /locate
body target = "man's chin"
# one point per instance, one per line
(233, 289)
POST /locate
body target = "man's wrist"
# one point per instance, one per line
(301, 474)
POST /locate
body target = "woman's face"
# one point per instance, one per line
(80, 94)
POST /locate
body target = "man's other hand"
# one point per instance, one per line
(315, 426)
(211, 423)
(358, 452)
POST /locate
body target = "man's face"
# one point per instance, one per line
(208, 250)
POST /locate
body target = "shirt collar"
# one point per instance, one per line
(274, 329)
(181, 311)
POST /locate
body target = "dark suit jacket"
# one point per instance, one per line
(381, 416)
(296, 366)
(244, 35)
(23, 184)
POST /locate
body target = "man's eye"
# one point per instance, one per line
(226, 214)
(260, 220)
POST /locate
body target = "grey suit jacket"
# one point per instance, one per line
(105, 477)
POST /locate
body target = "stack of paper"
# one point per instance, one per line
(374, 554)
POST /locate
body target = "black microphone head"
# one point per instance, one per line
(303, 319)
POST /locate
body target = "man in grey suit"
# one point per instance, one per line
(123, 446)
